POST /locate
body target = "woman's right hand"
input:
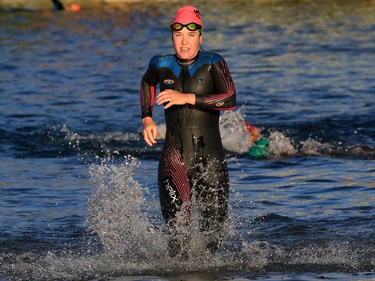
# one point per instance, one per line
(150, 130)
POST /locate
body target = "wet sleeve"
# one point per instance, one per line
(148, 90)
(225, 96)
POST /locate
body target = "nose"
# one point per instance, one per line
(184, 40)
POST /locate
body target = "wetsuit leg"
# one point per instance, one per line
(174, 192)
(207, 177)
(211, 189)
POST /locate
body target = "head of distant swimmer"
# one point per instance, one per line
(186, 29)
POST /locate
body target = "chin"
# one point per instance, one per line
(185, 55)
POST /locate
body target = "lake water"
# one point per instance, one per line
(78, 191)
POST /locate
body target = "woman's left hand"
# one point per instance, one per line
(173, 97)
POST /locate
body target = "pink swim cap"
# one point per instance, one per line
(188, 14)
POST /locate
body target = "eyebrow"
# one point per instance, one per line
(179, 32)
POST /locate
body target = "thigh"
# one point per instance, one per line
(174, 185)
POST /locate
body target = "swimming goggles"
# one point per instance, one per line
(190, 26)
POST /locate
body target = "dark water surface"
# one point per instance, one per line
(78, 194)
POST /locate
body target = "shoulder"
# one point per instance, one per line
(210, 57)
(162, 61)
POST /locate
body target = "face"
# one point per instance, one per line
(186, 43)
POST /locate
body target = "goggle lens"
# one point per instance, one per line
(190, 26)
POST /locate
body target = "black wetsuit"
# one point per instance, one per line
(57, 5)
(192, 161)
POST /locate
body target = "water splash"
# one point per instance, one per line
(313, 147)
(280, 145)
(233, 134)
(236, 138)
(115, 211)
(133, 244)
(117, 214)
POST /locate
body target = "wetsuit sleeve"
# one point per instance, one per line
(225, 96)
(148, 89)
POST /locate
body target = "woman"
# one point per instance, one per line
(194, 87)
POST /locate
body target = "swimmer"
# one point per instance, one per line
(194, 87)
(58, 6)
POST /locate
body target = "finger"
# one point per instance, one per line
(148, 141)
(146, 137)
(151, 136)
(163, 98)
(169, 104)
(151, 139)
(155, 134)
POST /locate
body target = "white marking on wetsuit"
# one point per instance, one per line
(172, 192)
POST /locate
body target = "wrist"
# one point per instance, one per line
(192, 98)
(146, 119)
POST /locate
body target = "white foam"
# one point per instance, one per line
(312, 147)
(280, 145)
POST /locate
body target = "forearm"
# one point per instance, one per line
(225, 95)
(220, 101)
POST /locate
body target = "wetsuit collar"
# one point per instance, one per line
(188, 61)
